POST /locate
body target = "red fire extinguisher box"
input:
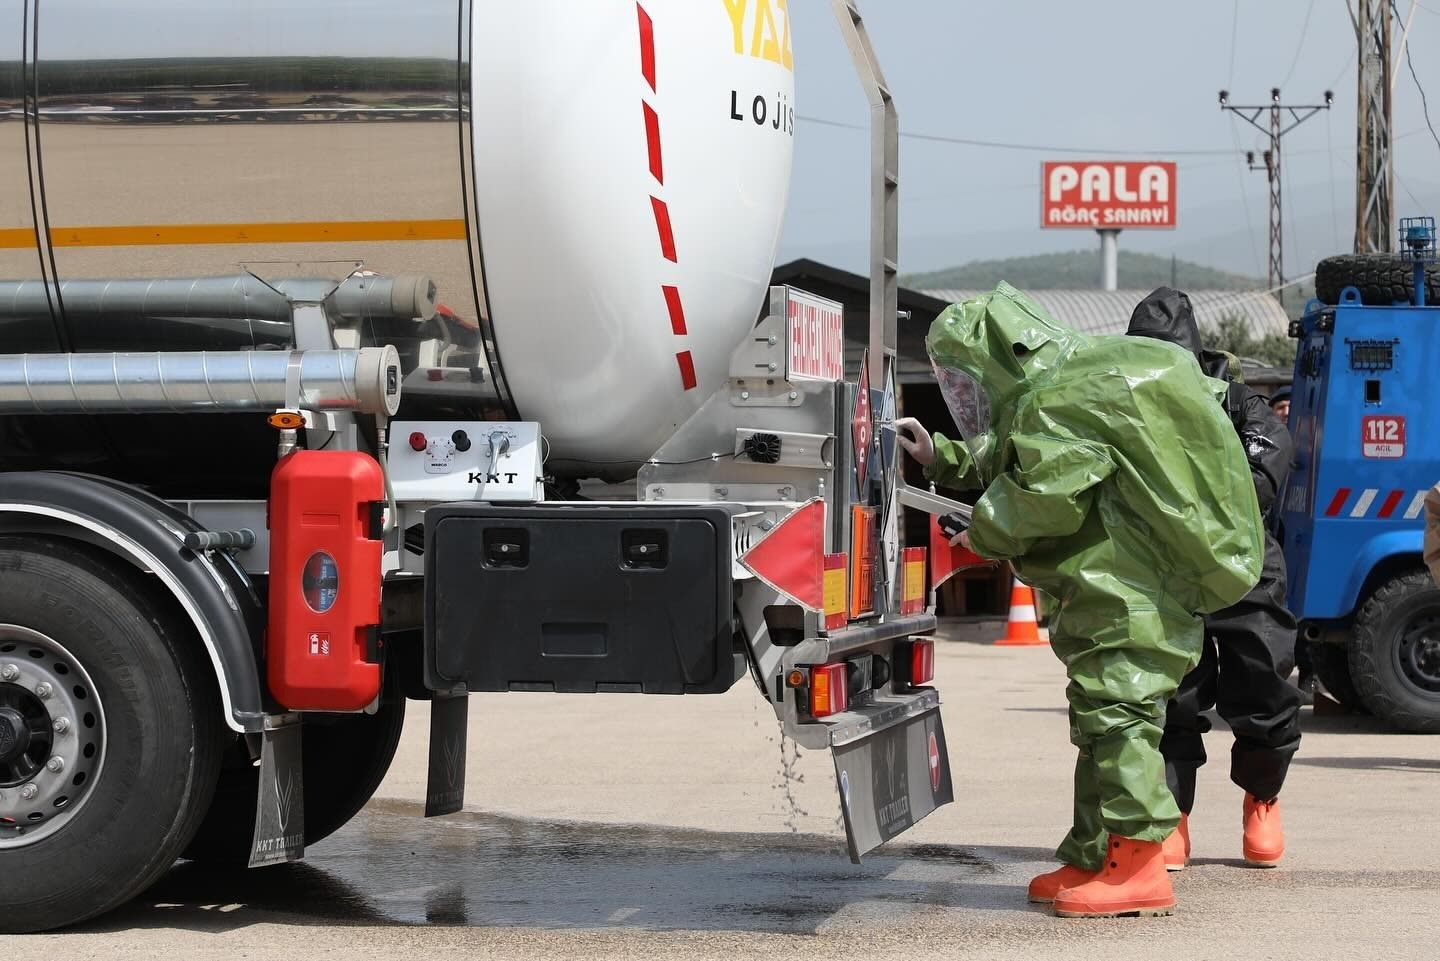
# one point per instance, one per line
(322, 645)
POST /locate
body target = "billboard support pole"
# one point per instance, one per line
(1109, 259)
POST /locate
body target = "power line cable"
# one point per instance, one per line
(1299, 46)
(1002, 145)
(1082, 151)
(1424, 103)
(1345, 68)
(1406, 187)
(1234, 41)
(1334, 199)
(1244, 197)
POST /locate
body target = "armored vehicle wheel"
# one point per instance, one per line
(1395, 653)
(1382, 279)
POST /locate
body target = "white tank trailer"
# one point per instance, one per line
(594, 190)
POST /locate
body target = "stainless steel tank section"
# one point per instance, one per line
(141, 139)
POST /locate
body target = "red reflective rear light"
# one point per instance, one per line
(829, 690)
(922, 662)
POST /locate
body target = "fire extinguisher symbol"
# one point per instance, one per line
(320, 644)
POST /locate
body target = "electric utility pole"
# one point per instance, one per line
(1283, 118)
(1374, 162)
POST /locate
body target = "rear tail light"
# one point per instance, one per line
(829, 690)
(922, 662)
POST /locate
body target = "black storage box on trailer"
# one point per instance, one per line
(580, 599)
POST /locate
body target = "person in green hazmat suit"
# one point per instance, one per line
(1111, 490)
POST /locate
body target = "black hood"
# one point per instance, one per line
(1166, 314)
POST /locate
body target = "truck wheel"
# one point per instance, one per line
(1382, 279)
(345, 757)
(1332, 667)
(1395, 653)
(110, 734)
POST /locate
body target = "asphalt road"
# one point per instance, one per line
(648, 827)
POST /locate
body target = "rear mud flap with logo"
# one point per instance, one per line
(280, 807)
(445, 781)
(892, 778)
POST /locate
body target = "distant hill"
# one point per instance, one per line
(1079, 269)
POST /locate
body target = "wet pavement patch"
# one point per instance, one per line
(391, 866)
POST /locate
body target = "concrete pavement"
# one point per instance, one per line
(649, 827)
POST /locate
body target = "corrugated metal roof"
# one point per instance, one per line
(1108, 312)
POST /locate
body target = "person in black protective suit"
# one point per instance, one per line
(1249, 650)
(1304, 657)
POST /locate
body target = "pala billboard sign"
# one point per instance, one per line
(1108, 194)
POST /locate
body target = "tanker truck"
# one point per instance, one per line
(354, 354)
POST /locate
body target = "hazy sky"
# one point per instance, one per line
(1109, 77)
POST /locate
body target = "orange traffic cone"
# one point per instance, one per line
(1023, 627)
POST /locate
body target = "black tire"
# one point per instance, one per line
(1332, 669)
(1382, 279)
(345, 757)
(1395, 653)
(163, 733)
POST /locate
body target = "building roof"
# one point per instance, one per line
(1108, 312)
(1089, 311)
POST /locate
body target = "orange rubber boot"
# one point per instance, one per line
(1264, 840)
(1044, 888)
(1177, 846)
(1132, 883)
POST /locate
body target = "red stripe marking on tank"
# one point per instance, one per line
(662, 224)
(652, 139)
(647, 47)
(677, 311)
(1391, 502)
(673, 304)
(687, 369)
(1337, 502)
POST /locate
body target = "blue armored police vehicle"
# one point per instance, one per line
(1364, 410)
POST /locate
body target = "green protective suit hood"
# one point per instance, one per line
(1007, 350)
(1113, 482)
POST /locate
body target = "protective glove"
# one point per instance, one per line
(953, 526)
(918, 443)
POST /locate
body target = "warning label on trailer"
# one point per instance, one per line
(817, 337)
(1382, 437)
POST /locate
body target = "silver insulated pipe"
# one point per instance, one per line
(238, 298)
(364, 380)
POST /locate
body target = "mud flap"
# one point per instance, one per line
(445, 780)
(280, 806)
(891, 778)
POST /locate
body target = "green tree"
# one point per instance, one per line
(1233, 333)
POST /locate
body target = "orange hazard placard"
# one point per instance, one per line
(912, 598)
(863, 537)
(837, 569)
